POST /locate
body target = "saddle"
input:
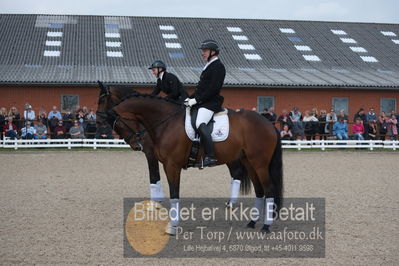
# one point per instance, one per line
(218, 125)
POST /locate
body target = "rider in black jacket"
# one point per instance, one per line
(207, 96)
(167, 82)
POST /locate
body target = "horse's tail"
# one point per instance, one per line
(245, 187)
(276, 173)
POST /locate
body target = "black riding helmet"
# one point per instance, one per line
(211, 45)
(158, 64)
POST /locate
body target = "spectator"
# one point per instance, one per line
(81, 118)
(42, 116)
(270, 115)
(29, 114)
(52, 123)
(3, 117)
(28, 132)
(343, 115)
(360, 114)
(322, 124)
(59, 131)
(86, 110)
(372, 130)
(54, 113)
(68, 119)
(104, 132)
(16, 117)
(284, 119)
(315, 112)
(371, 116)
(10, 129)
(91, 127)
(40, 130)
(340, 129)
(297, 126)
(383, 125)
(331, 119)
(392, 131)
(76, 131)
(286, 133)
(311, 124)
(358, 129)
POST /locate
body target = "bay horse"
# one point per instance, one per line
(140, 140)
(253, 140)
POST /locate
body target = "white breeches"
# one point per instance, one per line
(204, 116)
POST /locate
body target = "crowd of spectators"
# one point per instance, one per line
(78, 123)
(313, 124)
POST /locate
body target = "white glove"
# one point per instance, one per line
(190, 102)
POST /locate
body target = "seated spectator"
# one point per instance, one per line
(371, 116)
(42, 116)
(40, 130)
(269, 114)
(383, 125)
(372, 130)
(59, 131)
(54, 113)
(28, 132)
(360, 114)
(52, 124)
(3, 119)
(10, 129)
(286, 133)
(284, 119)
(358, 129)
(311, 124)
(322, 124)
(343, 115)
(76, 131)
(331, 119)
(91, 126)
(104, 132)
(16, 117)
(29, 114)
(340, 129)
(392, 128)
(81, 117)
(315, 112)
(297, 126)
(68, 119)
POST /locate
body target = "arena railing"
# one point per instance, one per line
(120, 143)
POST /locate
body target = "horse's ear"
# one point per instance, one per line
(103, 88)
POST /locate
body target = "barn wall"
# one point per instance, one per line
(45, 97)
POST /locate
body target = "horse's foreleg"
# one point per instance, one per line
(173, 174)
(156, 190)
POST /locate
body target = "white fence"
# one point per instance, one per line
(119, 143)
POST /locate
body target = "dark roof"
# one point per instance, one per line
(56, 49)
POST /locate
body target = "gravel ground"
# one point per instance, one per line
(65, 207)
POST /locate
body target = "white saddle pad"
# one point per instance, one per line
(220, 127)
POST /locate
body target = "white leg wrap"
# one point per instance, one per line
(269, 207)
(259, 204)
(234, 190)
(156, 191)
(174, 212)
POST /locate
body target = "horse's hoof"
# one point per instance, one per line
(251, 224)
(171, 230)
(265, 229)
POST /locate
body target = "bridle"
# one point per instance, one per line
(106, 115)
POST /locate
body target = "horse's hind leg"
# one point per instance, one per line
(236, 174)
(259, 193)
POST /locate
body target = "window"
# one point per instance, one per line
(388, 104)
(69, 101)
(294, 39)
(265, 102)
(340, 104)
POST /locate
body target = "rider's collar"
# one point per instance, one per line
(210, 62)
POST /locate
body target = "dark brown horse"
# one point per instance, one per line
(140, 140)
(253, 141)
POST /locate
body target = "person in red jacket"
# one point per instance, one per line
(10, 129)
(358, 129)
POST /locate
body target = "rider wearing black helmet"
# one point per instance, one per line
(207, 96)
(167, 82)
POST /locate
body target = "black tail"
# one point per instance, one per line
(276, 173)
(246, 183)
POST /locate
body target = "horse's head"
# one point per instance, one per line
(129, 127)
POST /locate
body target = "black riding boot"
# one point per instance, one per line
(206, 140)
